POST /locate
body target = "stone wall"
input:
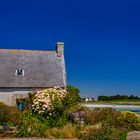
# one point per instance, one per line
(9, 95)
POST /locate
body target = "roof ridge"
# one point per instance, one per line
(26, 50)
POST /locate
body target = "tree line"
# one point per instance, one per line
(117, 97)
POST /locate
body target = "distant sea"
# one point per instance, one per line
(132, 108)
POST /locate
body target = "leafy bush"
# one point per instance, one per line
(9, 115)
(129, 117)
(54, 104)
(48, 102)
(73, 97)
(103, 133)
(32, 126)
(56, 121)
(115, 125)
(108, 115)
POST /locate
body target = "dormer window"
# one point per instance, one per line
(19, 72)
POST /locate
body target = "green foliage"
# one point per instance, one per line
(68, 132)
(54, 103)
(34, 125)
(72, 97)
(90, 116)
(9, 115)
(31, 126)
(112, 128)
(129, 117)
(108, 115)
(103, 133)
(49, 118)
(117, 97)
(54, 133)
(56, 121)
(109, 124)
(23, 103)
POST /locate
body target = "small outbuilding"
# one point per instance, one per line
(23, 71)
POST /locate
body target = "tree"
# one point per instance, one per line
(73, 96)
(131, 97)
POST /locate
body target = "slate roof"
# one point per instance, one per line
(41, 68)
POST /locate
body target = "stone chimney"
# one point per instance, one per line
(60, 49)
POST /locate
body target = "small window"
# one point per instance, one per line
(19, 72)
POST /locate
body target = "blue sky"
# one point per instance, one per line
(102, 39)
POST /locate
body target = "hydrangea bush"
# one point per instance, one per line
(46, 102)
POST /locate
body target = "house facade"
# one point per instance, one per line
(23, 71)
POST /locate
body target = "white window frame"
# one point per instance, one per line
(16, 72)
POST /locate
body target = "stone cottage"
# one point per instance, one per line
(23, 71)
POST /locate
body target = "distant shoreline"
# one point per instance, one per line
(110, 106)
(114, 102)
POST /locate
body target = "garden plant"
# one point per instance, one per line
(50, 114)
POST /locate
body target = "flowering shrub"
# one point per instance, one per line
(46, 102)
(129, 117)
